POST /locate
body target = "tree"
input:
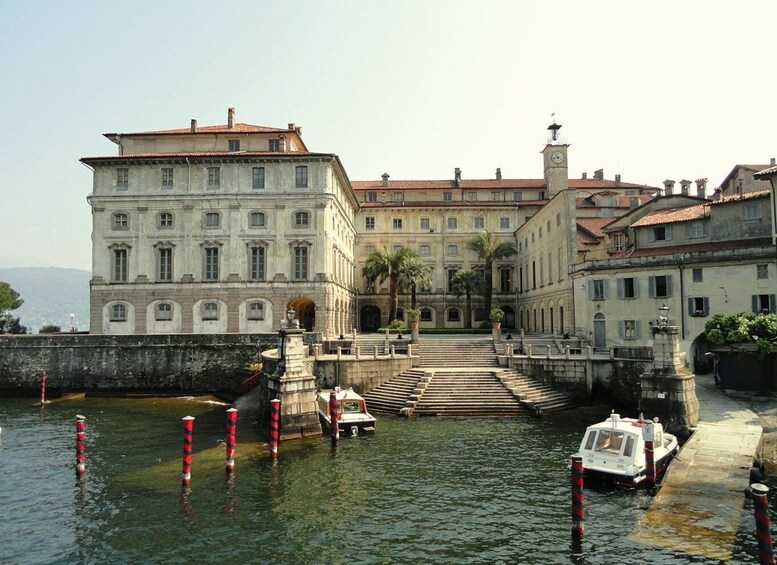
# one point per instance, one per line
(489, 250)
(383, 264)
(50, 329)
(737, 329)
(11, 325)
(414, 273)
(9, 298)
(467, 283)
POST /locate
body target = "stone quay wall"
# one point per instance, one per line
(199, 363)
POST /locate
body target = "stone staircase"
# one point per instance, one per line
(392, 396)
(457, 353)
(537, 397)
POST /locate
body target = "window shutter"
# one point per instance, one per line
(754, 303)
(706, 306)
(621, 329)
(652, 286)
(651, 234)
(668, 232)
(669, 285)
(638, 328)
(691, 309)
(590, 289)
(687, 231)
(619, 285)
(636, 287)
(606, 289)
(772, 303)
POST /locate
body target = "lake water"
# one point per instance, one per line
(418, 491)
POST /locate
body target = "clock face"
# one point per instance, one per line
(557, 157)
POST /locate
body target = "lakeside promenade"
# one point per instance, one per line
(701, 501)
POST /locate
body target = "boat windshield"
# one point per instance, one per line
(628, 449)
(609, 441)
(350, 406)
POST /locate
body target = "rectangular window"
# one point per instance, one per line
(118, 313)
(165, 264)
(660, 286)
(397, 223)
(618, 244)
(517, 196)
(504, 223)
(558, 219)
(548, 225)
(256, 264)
(629, 329)
(698, 275)
(454, 315)
(560, 270)
(211, 263)
(167, 177)
(214, 177)
(660, 233)
(550, 268)
(752, 212)
(452, 223)
(274, 145)
(212, 220)
(368, 249)
(480, 223)
(257, 177)
(301, 219)
(764, 303)
(120, 221)
(164, 311)
(504, 279)
(495, 196)
(472, 196)
(451, 275)
(122, 179)
(372, 197)
(256, 311)
(369, 223)
(447, 196)
(627, 288)
(599, 289)
(120, 265)
(234, 145)
(426, 314)
(300, 263)
(452, 250)
(210, 311)
(425, 250)
(698, 306)
(695, 230)
(425, 224)
(396, 196)
(301, 177)
(762, 271)
(165, 220)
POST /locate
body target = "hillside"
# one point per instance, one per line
(50, 295)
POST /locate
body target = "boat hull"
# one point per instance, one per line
(346, 427)
(629, 481)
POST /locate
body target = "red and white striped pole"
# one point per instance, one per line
(650, 463)
(80, 444)
(763, 527)
(275, 427)
(577, 498)
(188, 425)
(334, 427)
(231, 425)
(43, 389)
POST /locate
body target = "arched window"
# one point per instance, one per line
(119, 313)
(164, 311)
(256, 311)
(210, 311)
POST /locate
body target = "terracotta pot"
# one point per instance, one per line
(414, 325)
(496, 325)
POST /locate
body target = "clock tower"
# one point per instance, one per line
(555, 162)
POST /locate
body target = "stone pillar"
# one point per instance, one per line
(669, 389)
(296, 388)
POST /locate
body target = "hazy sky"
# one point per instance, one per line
(650, 90)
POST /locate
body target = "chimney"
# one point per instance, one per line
(385, 177)
(585, 176)
(617, 180)
(457, 176)
(668, 187)
(685, 187)
(282, 143)
(633, 202)
(194, 126)
(498, 173)
(701, 188)
(717, 193)
(599, 174)
(231, 118)
(772, 163)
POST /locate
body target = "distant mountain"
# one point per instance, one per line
(50, 296)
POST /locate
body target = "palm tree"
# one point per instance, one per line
(490, 250)
(467, 283)
(414, 273)
(383, 264)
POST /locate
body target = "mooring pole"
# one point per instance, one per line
(231, 426)
(334, 427)
(188, 426)
(577, 498)
(43, 389)
(80, 444)
(763, 529)
(275, 427)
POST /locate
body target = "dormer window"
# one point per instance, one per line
(234, 145)
(275, 145)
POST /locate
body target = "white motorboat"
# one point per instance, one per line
(615, 449)
(352, 415)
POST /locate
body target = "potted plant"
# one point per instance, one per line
(413, 316)
(496, 315)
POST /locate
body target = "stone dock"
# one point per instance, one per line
(701, 503)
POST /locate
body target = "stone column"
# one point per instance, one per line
(669, 389)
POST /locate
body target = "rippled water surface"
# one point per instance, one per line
(418, 491)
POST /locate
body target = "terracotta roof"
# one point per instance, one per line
(744, 196)
(235, 154)
(695, 247)
(453, 204)
(594, 225)
(224, 128)
(766, 173)
(673, 215)
(621, 200)
(494, 184)
(733, 172)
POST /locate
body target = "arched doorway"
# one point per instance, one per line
(509, 320)
(369, 318)
(600, 331)
(305, 312)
